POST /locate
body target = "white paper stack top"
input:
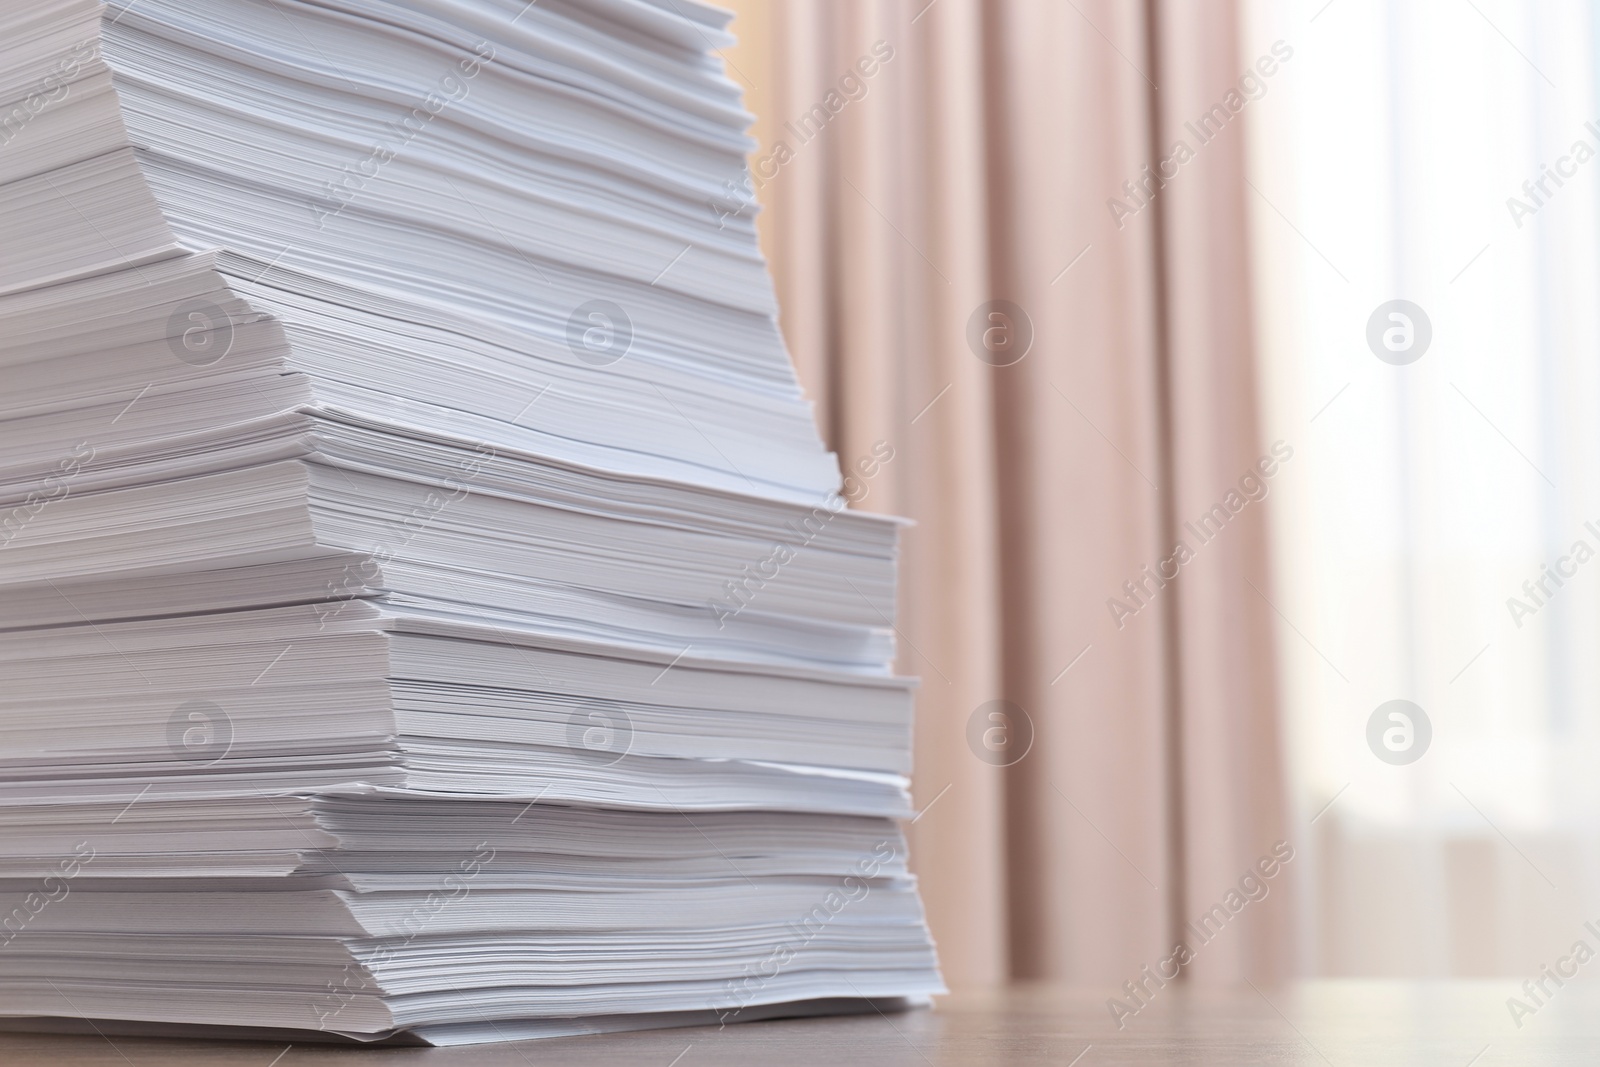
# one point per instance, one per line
(449, 208)
(430, 612)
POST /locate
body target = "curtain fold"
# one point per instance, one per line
(937, 158)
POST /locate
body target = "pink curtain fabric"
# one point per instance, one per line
(919, 161)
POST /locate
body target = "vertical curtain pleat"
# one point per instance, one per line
(950, 602)
(977, 166)
(794, 194)
(863, 183)
(1233, 800)
(1077, 467)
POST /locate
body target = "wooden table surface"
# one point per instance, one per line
(1330, 1024)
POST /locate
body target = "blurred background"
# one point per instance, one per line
(1237, 365)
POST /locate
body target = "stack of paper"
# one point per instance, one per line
(431, 614)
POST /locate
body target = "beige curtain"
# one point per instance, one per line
(918, 160)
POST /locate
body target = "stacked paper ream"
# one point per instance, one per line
(430, 613)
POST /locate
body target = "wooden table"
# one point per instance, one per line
(1330, 1024)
